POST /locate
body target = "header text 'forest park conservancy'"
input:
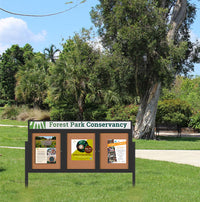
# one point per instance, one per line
(79, 125)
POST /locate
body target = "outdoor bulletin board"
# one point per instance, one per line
(79, 146)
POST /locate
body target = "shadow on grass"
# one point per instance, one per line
(178, 139)
(2, 169)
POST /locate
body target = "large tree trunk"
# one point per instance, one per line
(145, 120)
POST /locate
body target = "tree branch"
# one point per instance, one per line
(177, 18)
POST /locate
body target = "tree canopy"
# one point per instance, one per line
(152, 38)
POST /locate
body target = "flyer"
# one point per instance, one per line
(82, 149)
(45, 147)
(116, 150)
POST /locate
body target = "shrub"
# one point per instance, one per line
(95, 112)
(173, 112)
(125, 113)
(63, 114)
(23, 113)
(195, 121)
(3, 102)
(34, 114)
(10, 112)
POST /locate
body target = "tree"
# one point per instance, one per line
(70, 78)
(31, 86)
(153, 38)
(10, 62)
(51, 52)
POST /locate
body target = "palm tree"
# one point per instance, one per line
(50, 53)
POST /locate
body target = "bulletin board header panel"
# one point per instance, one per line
(83, 125)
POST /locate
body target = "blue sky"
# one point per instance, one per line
(42, 32)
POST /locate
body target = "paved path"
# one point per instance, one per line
(190, 157)
(13, 126)
(8, 147)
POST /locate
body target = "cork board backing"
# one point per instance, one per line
(57, 165)
(104, 137)
(80, 164)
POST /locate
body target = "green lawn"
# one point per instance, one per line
(13, 122)
(155, 180)
(13, 136)
(170, 143)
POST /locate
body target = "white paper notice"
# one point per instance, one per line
(41, 155)
(116, 150)
(121, 153)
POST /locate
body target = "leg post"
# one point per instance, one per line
(26, 164)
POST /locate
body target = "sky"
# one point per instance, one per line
(44, 31)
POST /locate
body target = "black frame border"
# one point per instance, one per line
(63, 136)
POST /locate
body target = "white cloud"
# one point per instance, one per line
(16, 31)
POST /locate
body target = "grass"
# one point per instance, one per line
(13, 136)
(13, 122)
(170, 143)
(155, 180)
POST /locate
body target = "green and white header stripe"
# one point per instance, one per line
(79, 125)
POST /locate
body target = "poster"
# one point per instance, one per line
(45, 147)
(82, 149)
(116, 150)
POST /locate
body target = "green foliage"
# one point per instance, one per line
(11, 61)
(31, 84)
(185, 89)
(130, 31)
(50, 53)
(173, 112)
(123, 113)
(95, 111)
(195, 121)
(6, 102)
(71, 78)
(135, 30)
(9, 65)
(63, 113)
(10, 112)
